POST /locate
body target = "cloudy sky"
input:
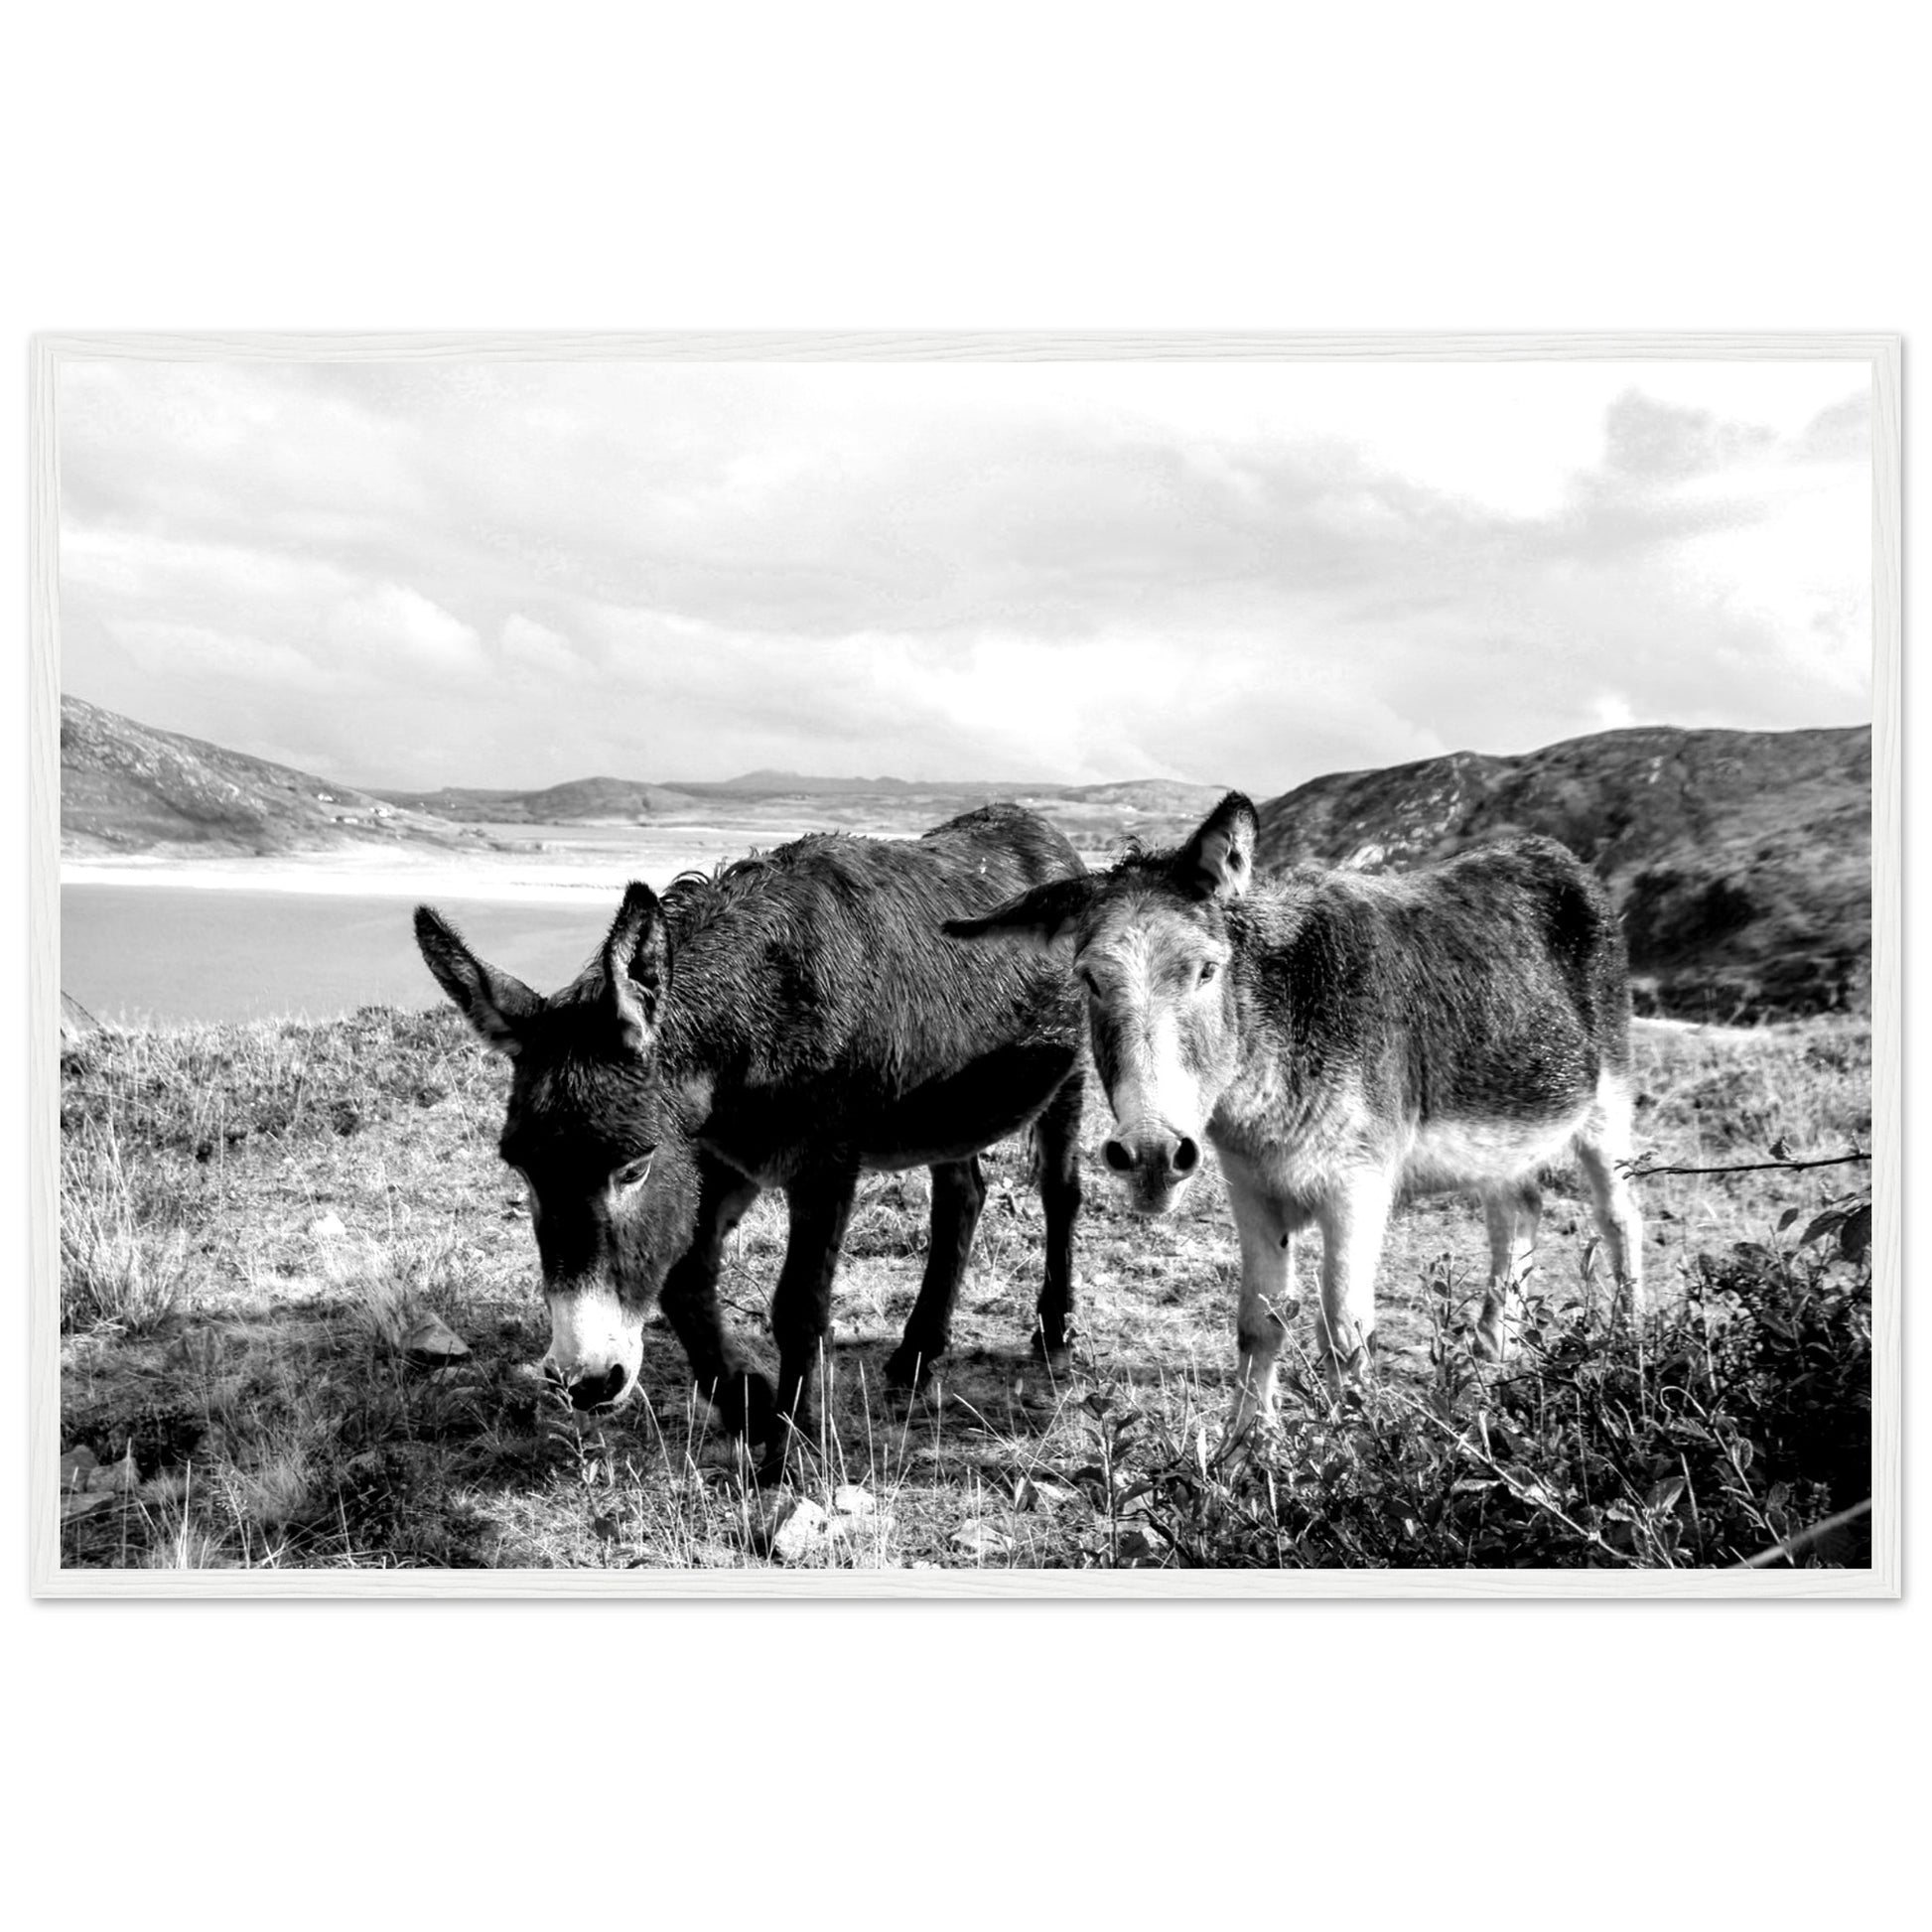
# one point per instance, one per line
(1248, 574)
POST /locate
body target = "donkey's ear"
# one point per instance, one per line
(495, 1003)
(1218, 862)
(637, 966)
(1043, 917)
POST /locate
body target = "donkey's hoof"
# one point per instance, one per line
(791, 1452)
(751, 1409)
(910, 1368)
(1243, 1440)
(1489, 1339)
(1057, 1359)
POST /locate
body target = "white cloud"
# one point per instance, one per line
(402, 629)
(193, 654)
(1241, 572)
(536, 655)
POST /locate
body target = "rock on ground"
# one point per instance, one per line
(982, 1539)
(804, 1531)
(433, 1343)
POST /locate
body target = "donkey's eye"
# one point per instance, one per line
(633, 1172)
(1208, 969)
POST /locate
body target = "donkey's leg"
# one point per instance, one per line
(1267, 1232)
(802, 1304)
(1617, 1221)
(958, 1194)
(689, 1298)
(1514, 1211)
(1355, 1220)
(1057, 1150)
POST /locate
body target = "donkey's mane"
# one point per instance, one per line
(1139, 860)
(694, 898)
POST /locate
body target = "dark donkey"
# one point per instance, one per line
(1346, 1042)
(792, 1021)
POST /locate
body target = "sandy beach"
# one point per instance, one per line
(533, 865)
(525, 878)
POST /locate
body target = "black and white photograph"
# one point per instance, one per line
(968, 964)
(965, 965)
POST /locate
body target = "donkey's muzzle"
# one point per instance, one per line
(596, 1345)
(1154, 1156)
(1154, 1162)
(598, 1391)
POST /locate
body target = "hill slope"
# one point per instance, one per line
(1095, 817)
(1741, 861)
(128, 788)
(584, 801)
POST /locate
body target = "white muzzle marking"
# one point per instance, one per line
(590, 1334)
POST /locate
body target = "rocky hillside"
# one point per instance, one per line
(1741, 861)
(128, 788)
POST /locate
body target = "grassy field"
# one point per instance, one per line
(255, 1220)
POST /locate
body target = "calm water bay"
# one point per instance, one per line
(145, 956)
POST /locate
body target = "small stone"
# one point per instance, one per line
(982, 1539)
(805, 1530)
(850, 1499)
(121, 1477)
(432, 1344)
(1030, 1492)
(77, 1465)
(327, 1227)
(865, 1538)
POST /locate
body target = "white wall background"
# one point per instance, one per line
(1475, 167)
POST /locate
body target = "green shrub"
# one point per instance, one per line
(1705, 1436)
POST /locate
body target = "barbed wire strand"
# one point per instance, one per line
(1637, 1171)
(1804, 1539)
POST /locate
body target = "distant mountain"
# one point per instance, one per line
(587, 801)
(1741, 861)
(632, 799)
(1146, 795)
(1153, 807)
(793, 784)
(127, 788)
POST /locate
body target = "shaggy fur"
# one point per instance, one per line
(1346, 1042)
(791, 1022)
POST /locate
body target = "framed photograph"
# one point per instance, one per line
(941, 965)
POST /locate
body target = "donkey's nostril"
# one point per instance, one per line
(1186, 1156)
(594, 1391)
(1117, 1158)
